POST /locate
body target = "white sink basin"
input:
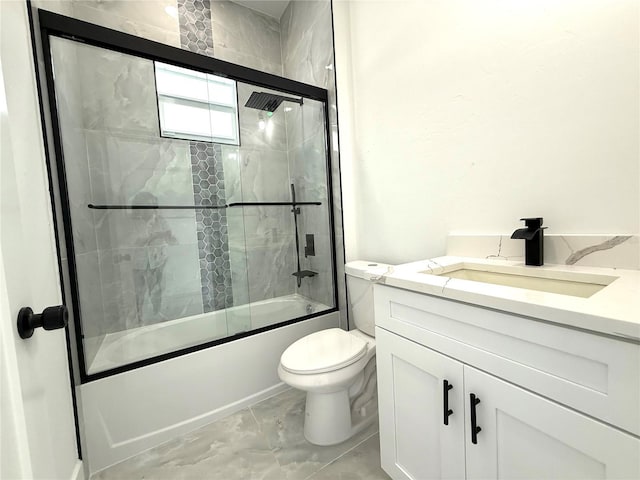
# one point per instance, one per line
(552, 281)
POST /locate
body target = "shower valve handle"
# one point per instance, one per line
(51, 318)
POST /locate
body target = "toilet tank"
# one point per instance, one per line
(361, 275)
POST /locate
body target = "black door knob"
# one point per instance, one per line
(50, 319)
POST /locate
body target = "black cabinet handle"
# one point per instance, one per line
(475, 429)
(446, 386)
(51, 318)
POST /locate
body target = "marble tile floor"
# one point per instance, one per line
(264, 441)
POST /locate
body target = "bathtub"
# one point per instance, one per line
(122, 348)
(127, 413)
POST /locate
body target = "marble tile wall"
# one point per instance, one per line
(116, 93)
(303, 40)
(238, 320)
(135, 245)
(300, 47)
(74, 144)
(155, 20)
(243, 36)
(134, 267)
(308, 167)
(307, 56)
(148, 258)
(307, 42)
(240, 35)
(208, 176)
(246, 37)
(263, 175)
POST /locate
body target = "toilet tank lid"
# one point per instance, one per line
(323, 351)
(366, 269)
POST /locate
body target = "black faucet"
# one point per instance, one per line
(533, 240)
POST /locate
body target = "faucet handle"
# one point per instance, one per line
(533, 222)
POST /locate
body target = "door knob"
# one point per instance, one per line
(51, 318)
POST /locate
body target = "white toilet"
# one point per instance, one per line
(337, 368)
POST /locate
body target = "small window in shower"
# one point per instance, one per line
(196, 106)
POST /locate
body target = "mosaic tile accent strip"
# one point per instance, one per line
(208, 177)
(213, 243)
(194, 18)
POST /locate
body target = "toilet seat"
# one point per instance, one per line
(323, 351)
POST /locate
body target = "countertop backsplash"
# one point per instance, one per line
(593, 250)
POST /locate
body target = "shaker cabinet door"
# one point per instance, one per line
(414, 383)
(525, 436)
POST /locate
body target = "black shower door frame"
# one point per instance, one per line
(53, 24)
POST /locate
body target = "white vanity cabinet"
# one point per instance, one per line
(527, 436)
(414, 439)
(421, 341)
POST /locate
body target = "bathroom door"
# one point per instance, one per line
(37, 438)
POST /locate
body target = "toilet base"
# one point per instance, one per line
(327, 419)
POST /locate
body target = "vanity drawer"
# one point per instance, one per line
(594, 374)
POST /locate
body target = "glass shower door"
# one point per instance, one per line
(196, 207)
(146, 259)
(283, 178)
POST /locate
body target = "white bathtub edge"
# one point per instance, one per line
(134, 411)
(193, 424)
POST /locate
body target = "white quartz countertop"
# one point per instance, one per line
(614, 310)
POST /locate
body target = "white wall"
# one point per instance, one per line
(470, 114)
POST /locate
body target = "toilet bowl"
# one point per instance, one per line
(337, 368)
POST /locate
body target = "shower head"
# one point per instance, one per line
(268, 102)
